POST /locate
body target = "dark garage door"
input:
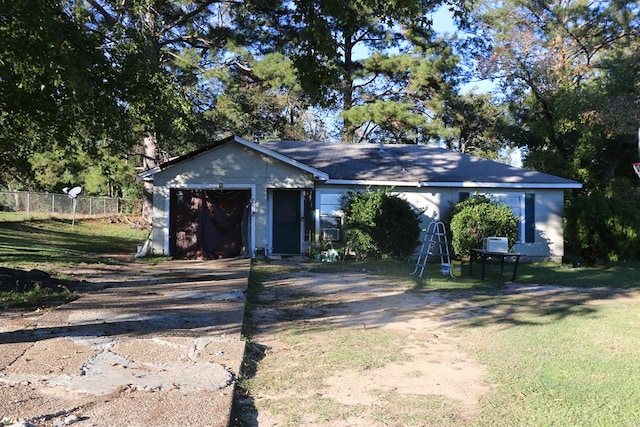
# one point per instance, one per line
(209, 224)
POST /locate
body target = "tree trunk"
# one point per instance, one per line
(348, 131)
(149, 161)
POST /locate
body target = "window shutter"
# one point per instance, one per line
(529, 218)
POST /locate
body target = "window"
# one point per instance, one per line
(331, 216)
(523, 207)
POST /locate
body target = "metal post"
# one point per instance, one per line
(73, 204)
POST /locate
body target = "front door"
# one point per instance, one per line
(286, 222)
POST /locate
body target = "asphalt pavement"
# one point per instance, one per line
(152, 345)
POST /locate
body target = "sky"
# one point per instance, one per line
(443, 23)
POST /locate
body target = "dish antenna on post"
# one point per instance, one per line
(73, 194)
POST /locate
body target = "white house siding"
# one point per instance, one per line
(434, 204)
(549, 244)
(230, 166)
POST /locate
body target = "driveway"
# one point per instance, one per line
(149, 345)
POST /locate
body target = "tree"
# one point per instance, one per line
(260, 99)
(570, 70)
(160, 50)
(571, 73)
(474, 124)
(55, 87)
(380, 94)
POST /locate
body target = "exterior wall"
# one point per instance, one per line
(549, 236)
(435, 202)
(230, 166)
(234, 166)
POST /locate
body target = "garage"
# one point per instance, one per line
(209, 224)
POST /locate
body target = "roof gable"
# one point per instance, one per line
(318, 174)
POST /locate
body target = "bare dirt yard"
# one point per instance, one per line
(352, 350)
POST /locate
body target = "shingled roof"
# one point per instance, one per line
(411, 164)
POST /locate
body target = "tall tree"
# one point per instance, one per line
(55, 87)
(160, 49)
(359, 55)
(260, 99)
(570, 69)
(475, 124)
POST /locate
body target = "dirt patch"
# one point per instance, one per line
(425, 362)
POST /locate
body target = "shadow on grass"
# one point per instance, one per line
(54, 240)
(467, 300)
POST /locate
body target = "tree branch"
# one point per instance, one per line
(109, 19)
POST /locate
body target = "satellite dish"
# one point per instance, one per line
(73, 193)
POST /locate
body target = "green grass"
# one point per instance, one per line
(51, 243)
(554, 359)
(34, 298)
(34, 242)
(576, 370)
(620, 275)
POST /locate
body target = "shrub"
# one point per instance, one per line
(476, 218)
(601, 227)
(380, 224)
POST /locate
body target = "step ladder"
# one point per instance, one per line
(434, 243)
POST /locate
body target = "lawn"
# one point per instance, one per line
(567, 357)
(49, 243)
(553, 360)
(31, 243)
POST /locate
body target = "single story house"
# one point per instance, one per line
(240, 198)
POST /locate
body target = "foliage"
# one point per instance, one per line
(603, 227)
(260, 99)
(34, 298)
(571, 75)
(474, 124)
(476, 218)
(380, 224)
(55, 85)
(377, 63)
(98, 174)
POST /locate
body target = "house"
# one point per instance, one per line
(239, 198)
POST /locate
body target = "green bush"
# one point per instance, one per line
(380, 224)
(601, 227)
(476, 218)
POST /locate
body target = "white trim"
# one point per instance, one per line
(252, 226)
(469, 184)
(366, 183)
(148, 174)
(167, 222)
(448, 184)
(269, 221)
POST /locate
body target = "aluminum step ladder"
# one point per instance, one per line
(434, 244)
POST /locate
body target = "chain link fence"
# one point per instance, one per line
(61, 204)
